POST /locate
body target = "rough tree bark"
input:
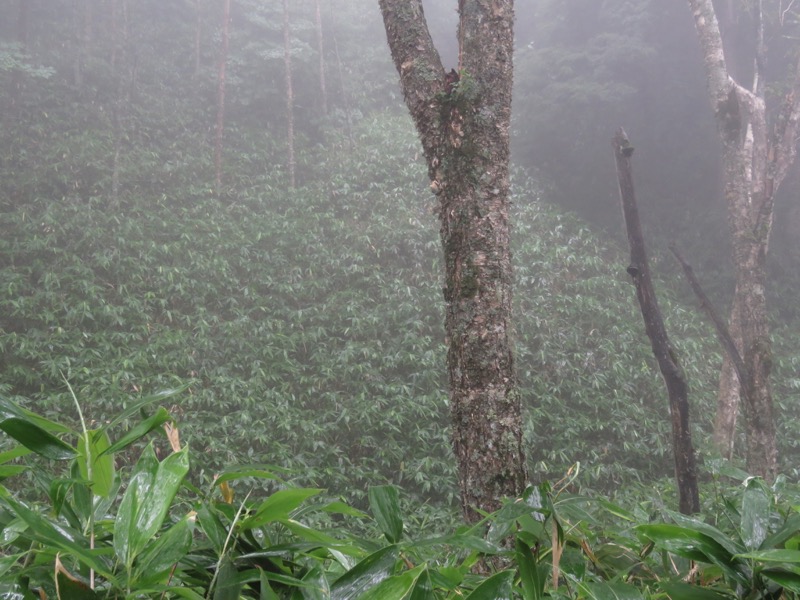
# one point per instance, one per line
(756, 157)
(668, 364)
(463, 123)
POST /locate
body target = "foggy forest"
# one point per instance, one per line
(399, 299)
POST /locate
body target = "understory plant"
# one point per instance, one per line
(77, 523)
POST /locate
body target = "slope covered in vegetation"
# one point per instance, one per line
(309, 323)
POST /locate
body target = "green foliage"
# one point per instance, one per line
(14, 60)
(154, 535)
(308, 325)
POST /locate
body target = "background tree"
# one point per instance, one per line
(221, 87)
(758, 148)
(287, 65)
(463, 120)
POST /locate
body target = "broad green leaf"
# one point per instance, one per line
(267, 592)
(372, 570)
(158, 559)
(58, 491)
(140, 430)
(102, 476)
(384, 501)
(70, 587)
(782, 535)
(146, 501)
(779, 556)
(496, 587)
(610, 591)
(7, 471)
(470, 542)
(55, 536)
(137, 406)
(10, 409)
(342, 508)
(684, 591)
(729, 470)
(212, 526)
(448, 578)
(695, 546)
(788, 579)
(278, 506)
(616, 510)
(423, 589)
(15, 590)
(316, 584)
(396, 587)
(14, 453)
(530, 578)
(734, 546)
(37, 439)
(228, 585)
(313, 535)
(755, 514)
(240, 471)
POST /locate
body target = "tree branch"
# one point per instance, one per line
(723, 334)
(786, 131)
(668, 364)
(708, 32)
(417, 61)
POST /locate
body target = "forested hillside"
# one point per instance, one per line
(151, 238)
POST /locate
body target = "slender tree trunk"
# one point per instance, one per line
(223, 63)
(671, 370)
(340, 71)
(22, 40)
(323, 88)
(22, 23)
(464, 129)
(78, 17)
(755, 162)
(728, 394)
(120, 103)
(198, 31)
(287, 61)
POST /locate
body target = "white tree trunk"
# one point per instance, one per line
(755, 161)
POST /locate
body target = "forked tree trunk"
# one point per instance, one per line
(223, 63)
(755, 162)
(464, 129)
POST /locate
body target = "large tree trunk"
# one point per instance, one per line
(464, 129)
(755, 162)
